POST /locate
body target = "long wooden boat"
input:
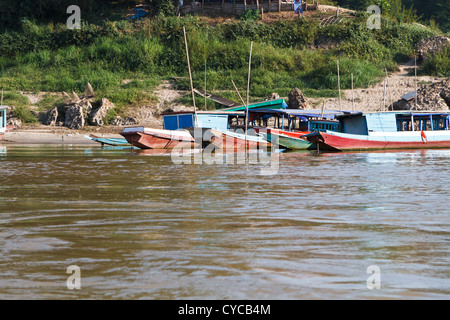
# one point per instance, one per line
(294, 143)
(299, 124)
(387, 130)
(148, 138)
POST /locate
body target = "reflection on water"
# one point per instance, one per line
(141, 227)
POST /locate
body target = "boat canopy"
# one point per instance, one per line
(269, 104)
(303, 115)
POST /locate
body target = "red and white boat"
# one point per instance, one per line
(387, 130)
(148, 138)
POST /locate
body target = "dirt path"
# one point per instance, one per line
(167, 96)
(371, 99)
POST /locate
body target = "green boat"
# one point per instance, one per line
(293, 143)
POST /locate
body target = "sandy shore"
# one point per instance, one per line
(52, 135)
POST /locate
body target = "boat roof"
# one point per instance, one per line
(268, 104)
(4, 107)
(302, 113)
(409, 113)
(212, 112)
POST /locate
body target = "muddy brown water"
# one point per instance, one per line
(139, 226)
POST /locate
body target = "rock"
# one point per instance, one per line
(97, 116)
(15, 122)
(272, 96)
(88, 91)
(66, 98)
(75, 97)
(74, 117)
(118, 121)
(428, 46)
(296, 99)
(433, 97)
(50, 118)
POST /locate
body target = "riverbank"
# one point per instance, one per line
(57, 135)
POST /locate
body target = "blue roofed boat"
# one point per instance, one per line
(387, 130)
(291, 127)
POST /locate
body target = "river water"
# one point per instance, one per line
(138, 226)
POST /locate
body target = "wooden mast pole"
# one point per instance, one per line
(248, 93)
(190, 74)
(339, 86)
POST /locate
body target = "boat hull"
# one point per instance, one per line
(293, 143)
(158, 139)
(381, 141)
(115, 142)
(236, 141)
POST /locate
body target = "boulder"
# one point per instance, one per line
(118, 121)
(272, 96)
(88, 91)
(74, 117)
(51, 117)
(296, 99)
(97, 116)
(75, 97)
(433, 97)
(428, 46)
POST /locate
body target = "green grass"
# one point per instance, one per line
(54, 59)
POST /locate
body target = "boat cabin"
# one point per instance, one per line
(3, 119)
(364, 123)
(222, 119)
(296, 120)
(202, 119)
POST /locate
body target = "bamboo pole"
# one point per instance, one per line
(415, 78)
(190, 74)
(205, 86)
(389, 89)
(240, 97)
(384, 96)
(248, 93)
(339, 86)
(353, 97)
(279, 5)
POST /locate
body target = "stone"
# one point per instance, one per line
(50, 118)
(272, 96)
(97, 116)
(428, 46)
(74, 117)
(433, 97)
(88, 91)
(118, 121)
(296, 99)
(66, 97)
(75, 97)
(15, 122)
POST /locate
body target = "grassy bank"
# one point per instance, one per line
(124, 61)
